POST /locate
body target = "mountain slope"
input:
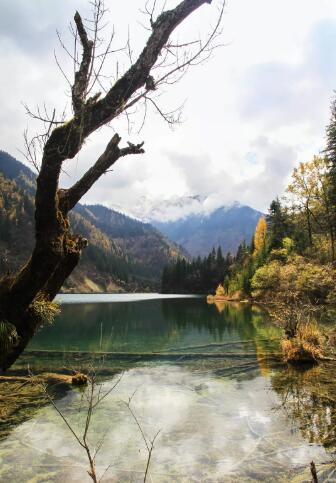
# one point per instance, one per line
(123, 254)
(144, 245)
(226, 227)
(103, 266)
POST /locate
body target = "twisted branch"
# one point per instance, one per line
(71, 196)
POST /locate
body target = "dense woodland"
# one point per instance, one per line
(198, 276)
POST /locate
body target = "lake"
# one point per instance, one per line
(207, 377)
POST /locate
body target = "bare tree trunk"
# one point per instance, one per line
(309, 227)
(57, 251)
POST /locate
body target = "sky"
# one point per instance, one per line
(256, 109)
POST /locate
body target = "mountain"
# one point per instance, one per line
(123, 253)
(172, 208)
(226, 227)
(144, 245)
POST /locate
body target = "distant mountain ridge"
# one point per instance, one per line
(226, 227)
(123, 253)
(152, 210)
(197, 223)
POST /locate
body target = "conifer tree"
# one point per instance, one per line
(278, 225)
(331, 155)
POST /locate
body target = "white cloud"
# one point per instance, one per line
(257, 108)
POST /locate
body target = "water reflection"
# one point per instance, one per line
(216, 414)
(309, 397)
(152, 325)
(213, 429)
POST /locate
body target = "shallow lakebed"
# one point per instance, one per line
(208, 377)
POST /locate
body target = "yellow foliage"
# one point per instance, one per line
(298, 276)
(306, 346)
(220, 290)
(260, 235)
(44, 311)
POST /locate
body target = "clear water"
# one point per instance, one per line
(226, 408)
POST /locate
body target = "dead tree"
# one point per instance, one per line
(57, 250)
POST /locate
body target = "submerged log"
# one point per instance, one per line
(148, 355)
(48, 378)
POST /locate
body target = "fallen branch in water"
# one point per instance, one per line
(150, 355)
(222, 344)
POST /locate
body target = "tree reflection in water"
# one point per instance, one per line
(308, 394)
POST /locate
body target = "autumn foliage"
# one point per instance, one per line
(260, 235)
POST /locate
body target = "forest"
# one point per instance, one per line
(292, 253)
(288, 266)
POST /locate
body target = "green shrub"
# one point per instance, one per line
(266, 277)
(302, 279)
(331, 298)
(316, 281)
(280, 254)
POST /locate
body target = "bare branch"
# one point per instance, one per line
(203, 48)
(149, 443)
(82, 75)
(69, 198)
(61, 70)
(46, 119)
(72, 56)
(117, 97)
(167, 116)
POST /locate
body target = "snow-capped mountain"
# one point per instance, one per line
(174, 208)
(226, 227)
(197, 224)
(167, 209)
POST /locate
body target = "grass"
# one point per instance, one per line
(306, 346)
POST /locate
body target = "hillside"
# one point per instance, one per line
(123, 254)
(226, 227)
(144, 245)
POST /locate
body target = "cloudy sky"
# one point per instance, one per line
(251, 113)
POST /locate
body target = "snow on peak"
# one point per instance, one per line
(177, 207)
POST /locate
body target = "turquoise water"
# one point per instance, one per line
(151, 323)
(226, 408)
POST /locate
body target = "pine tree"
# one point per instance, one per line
(278, 225)
(219, 256)
(331, 155)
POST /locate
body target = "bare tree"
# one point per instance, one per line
(91, 401)
(57, 250)
(148, 442)
(92, 398)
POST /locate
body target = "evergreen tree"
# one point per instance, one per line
(278, 226)
(331, 155)
(219, 257)
(201, 275)
(251, 247)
